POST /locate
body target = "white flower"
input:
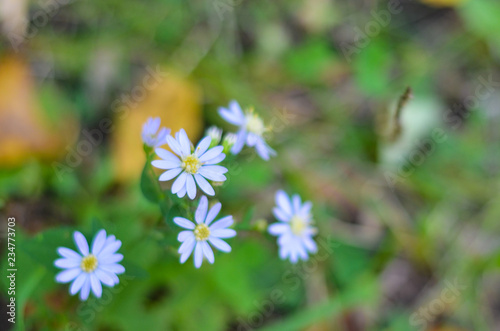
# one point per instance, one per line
(251, 129)
(88, 269)
(295, 229)
(190, 166)
(149, 130)
(215, 134)
(200, 234)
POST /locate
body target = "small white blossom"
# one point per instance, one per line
(197, 236)
(150, 134)
(89, 268)
(294, 229)
(251, 130)
(215, 134)
(199, 165)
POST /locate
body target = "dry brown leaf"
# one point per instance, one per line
(175, 100)
(25, 131)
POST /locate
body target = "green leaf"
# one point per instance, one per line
(149, 185)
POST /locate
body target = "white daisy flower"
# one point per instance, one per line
(294, 229)
(197, 236)
(198, 166)
(150, 134)
(88, 269)
(251, 129)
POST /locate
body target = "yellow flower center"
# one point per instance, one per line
(191, 164)
(298, 225)
(89, 263)
(201, 232)
(254, 123)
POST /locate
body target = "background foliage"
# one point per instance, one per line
(406, 216)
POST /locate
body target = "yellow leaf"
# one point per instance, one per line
(174, 99)
(25, 131)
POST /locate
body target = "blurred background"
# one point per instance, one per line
(385, 114)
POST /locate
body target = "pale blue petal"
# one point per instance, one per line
(170, 174)
(220, 244)
(198, 255)
(222, 223)
(174, 145)
(187, 245)
(65, 263)
(240, 141)
(104, 277)
(202, 146)
(167, 155)
(207, 251)
(95, 285)
(201, 211)
(278, 229)
(179, 183)
(184, 142)
(212, 214)
(78, 283)
(184, 223)
(280, 215)
(98, 242)
(84, 293)
(81, 243)
(183, 235)
(165, 165)
(114, 268)
(223, 233)
(68, 253)
(111, 258)
(211, 153)
(210, 174)
(190, 187)
(68, 275)
(216, 159)
(296, 203)
(204, 184)
(110, 248)
(283, 202)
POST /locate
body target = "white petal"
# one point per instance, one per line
(190, 187)
(182, 192)
(184, 142)
(222, 223)
(223, 233)
(211, 153)
(170, 174)
(207, 251)
(240, 142)
(283, 202)
(68, 253)
(81, 243)
(198, 255)
(167, 156)
(310, 244)
(187, 245)
(179, 183)
(234, 114)
(252, 139)
(201, 211)
(162, 164)
(202, 146)
(110, 249)
(78, 283)
(216, 159)
(104, 277)
(296, 203)
(84, 293)
(184, 223)
(212, 214)
(96, 285)
(68, 263)
(278, 229)
(220, 244)
(187, 251)
(183, 235)
(68, 275)
(209, 174)
(174, 145)
(98, 242)
(111, 258)
(114, 268)
(204, 184)
(280, 215)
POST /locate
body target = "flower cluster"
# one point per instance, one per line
(191, 168)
